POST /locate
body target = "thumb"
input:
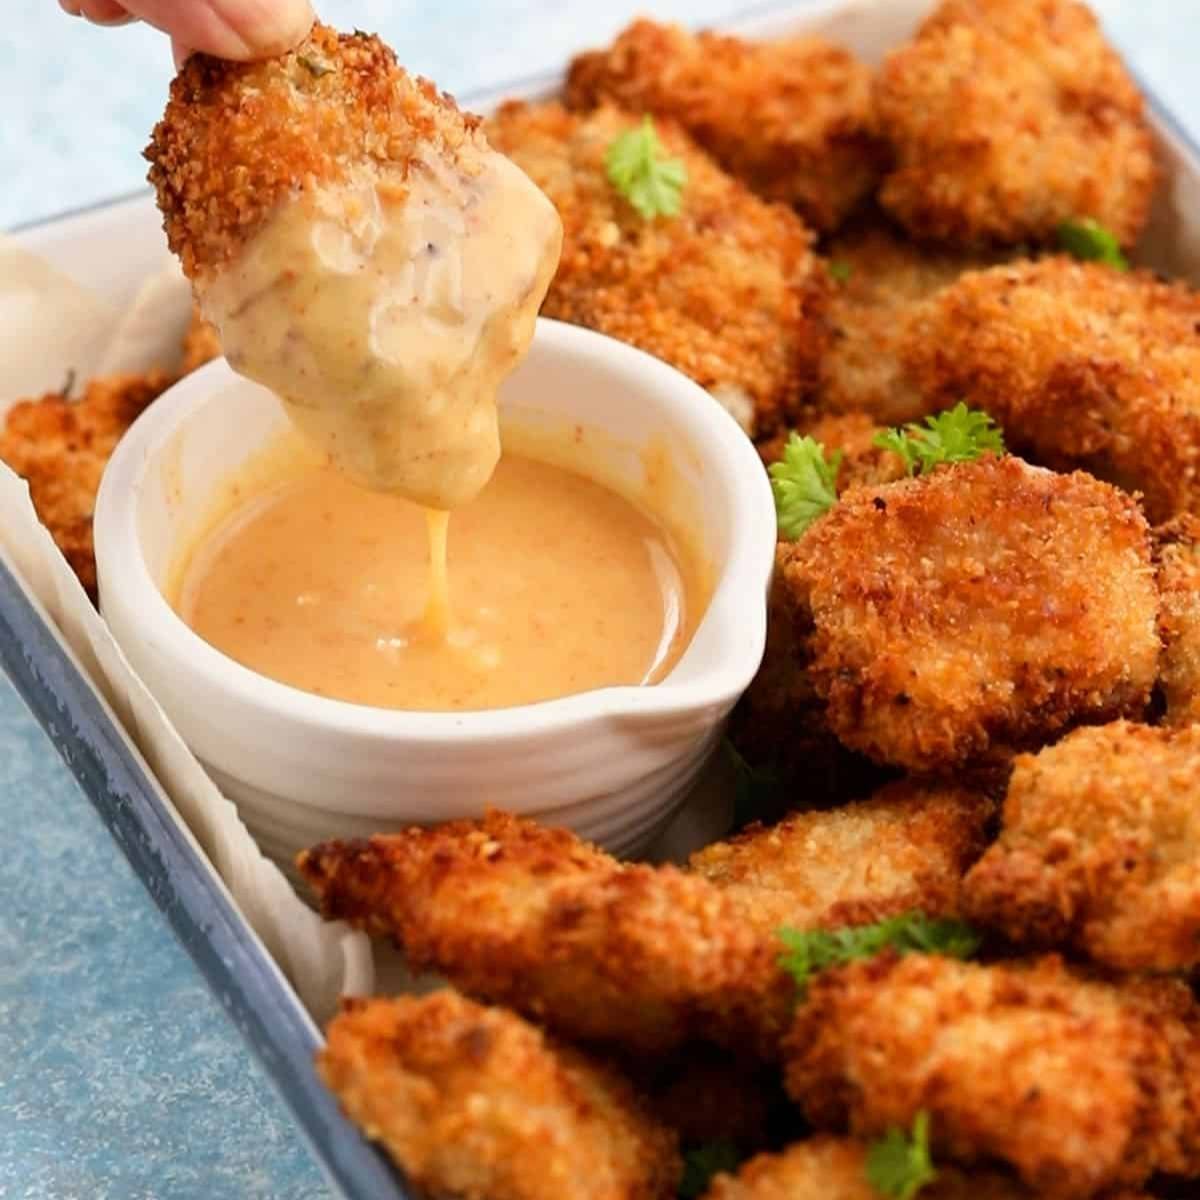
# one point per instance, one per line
(237, 29)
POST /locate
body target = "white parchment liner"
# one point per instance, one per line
(54, 327)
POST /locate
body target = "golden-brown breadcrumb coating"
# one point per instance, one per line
(476, 1103)
(869, 316)
(1080, 1085)
(980, 609)
(851, 433)
(238, 138)
(61, 446)
(728, 291)
(533, 917)
(1177, 559)
(1100, 849)
(1009, 117)
(1083, 366)
(201, 344)
(830, 1168)
(905, 848)
(792, 119)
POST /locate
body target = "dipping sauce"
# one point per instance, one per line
(386, 314)
(558, 585)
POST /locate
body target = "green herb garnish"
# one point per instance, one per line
(900, 1165)
(1089, 241)
(810, 951)
(702, 1163)
(960, 434)
(314, 66)
(841, 271)
(636, 168)
(805, 484)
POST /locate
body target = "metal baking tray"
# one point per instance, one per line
(113, 247)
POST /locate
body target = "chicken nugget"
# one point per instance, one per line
(728, 291)
(852, 435)
(974, 611)
(1009, 117)
(905, 848)
(362, 252)
(882, 278)
(1177, 558)
(1100, 849)
(1082, 366)
(201, 344)
(791, 119)
(1080, 1085)
(60, 447)
(829, 1168)
(476, 1103)
(642, 957)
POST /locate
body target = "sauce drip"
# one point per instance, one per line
(560, 586)
(386, 314)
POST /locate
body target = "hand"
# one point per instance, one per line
(237, 29)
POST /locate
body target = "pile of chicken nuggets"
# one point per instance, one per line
(970, 762)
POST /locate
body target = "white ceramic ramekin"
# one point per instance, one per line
(614, 763)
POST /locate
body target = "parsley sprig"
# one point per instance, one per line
(810, 951)
(805, 484)
(704, 1162)
(1089, 241)
(960, 434)
(900, 1165)
(636, 168)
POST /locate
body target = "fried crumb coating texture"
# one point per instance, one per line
(476, 1103)
(906, 848)
(61, 446)
(643, 957)
(1082, 366)
(831, 1168)
(982, 608)
(792, 119)
(1100, 849)
(852, 434)
(1080, 1085)
(728, 291)
(1177, 559)
(238, 139)
(870, 317)
(1007, 118)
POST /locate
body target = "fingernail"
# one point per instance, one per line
(70, 7)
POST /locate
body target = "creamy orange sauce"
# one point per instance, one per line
(560, 585)
(386, 314)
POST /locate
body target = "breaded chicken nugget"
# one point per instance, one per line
(1100, 849)
(200, 344)
(728, 291)
(905, 848)
(791, 119)
(1080, 1085)
(511, 912)
(238, 139)
(1083, 367)
(60, 447)
(851, 434)
(476, 1103)
(828, 1168)
(982, 608)
(1177, 559)
(1009, 117)
(870, 312)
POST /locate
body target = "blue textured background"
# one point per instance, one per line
(119, 1076)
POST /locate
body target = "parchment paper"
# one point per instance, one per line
(60, 327)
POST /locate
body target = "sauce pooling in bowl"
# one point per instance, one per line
(560, 586)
